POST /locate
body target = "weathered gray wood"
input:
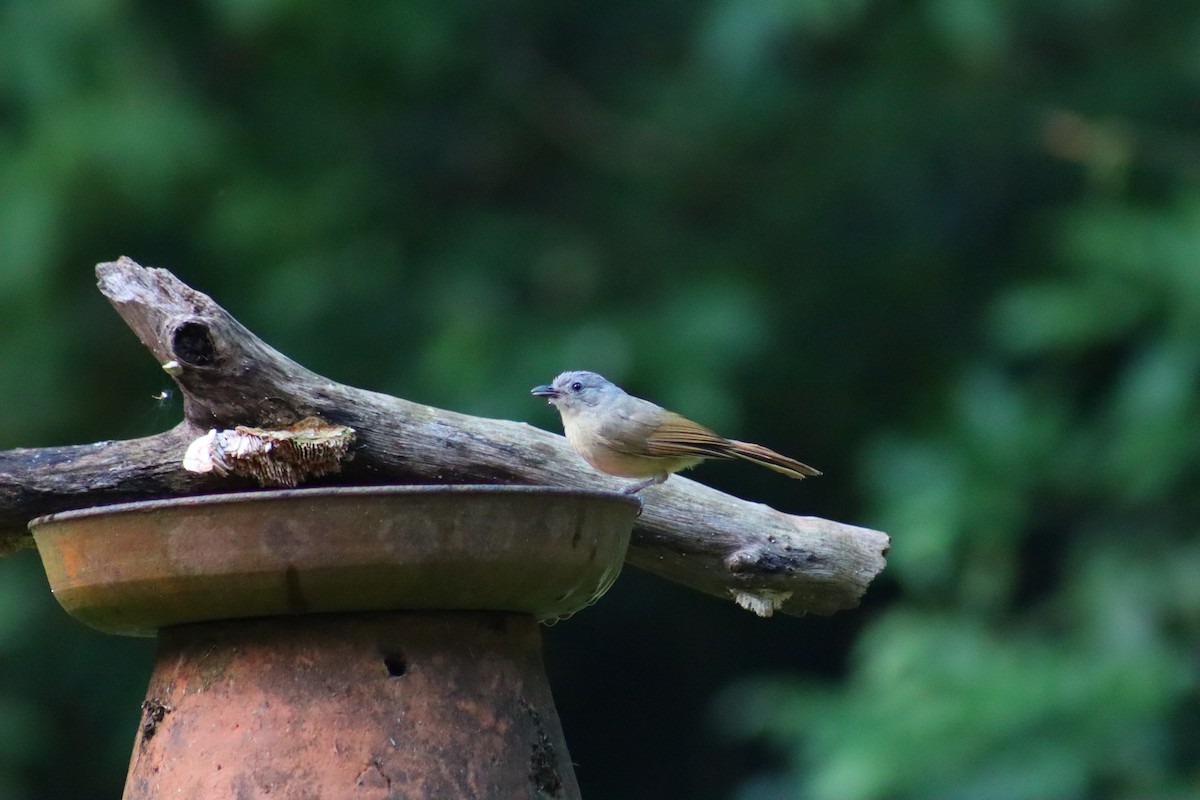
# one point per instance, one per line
(688, 532)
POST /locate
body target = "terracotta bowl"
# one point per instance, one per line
(137, 567)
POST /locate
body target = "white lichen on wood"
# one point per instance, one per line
(284, 457)
(763, 602)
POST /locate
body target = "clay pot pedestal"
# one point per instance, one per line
(343, 643)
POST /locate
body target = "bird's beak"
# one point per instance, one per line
(545, 391)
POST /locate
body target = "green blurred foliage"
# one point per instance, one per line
(1017, 667)
(946, 250)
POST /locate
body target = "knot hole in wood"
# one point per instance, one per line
(192, 344)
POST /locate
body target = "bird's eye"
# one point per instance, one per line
(576, 387)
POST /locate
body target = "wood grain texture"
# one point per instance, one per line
(688, 532)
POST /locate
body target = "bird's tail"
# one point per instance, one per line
(768, 458)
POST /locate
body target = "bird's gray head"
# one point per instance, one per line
(577, 391)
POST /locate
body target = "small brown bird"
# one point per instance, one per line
(629, 437)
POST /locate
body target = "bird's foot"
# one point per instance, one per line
(637, 487)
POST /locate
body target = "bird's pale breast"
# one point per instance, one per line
(611, 461)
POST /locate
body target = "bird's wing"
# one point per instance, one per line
(679, 436)
(630, 426)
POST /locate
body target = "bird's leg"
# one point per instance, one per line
(637, 487)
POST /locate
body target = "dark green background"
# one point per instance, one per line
(946, 251)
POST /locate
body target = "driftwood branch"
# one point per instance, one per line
(698, 536)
